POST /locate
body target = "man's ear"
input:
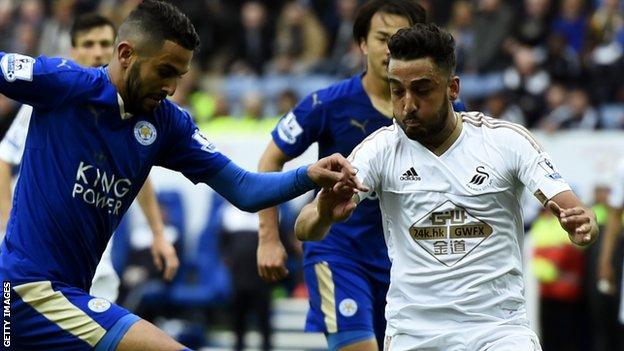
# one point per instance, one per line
(453, 88)
(125, 51)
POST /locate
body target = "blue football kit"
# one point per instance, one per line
(348, 272)
(85, 160)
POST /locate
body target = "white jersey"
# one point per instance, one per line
(453, 224)
(12, 145)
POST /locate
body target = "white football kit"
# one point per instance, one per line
(105, 282)
(453, 225)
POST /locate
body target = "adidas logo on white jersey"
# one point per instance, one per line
(410, 174)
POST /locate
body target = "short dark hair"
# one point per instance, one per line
(424, 40)
(409, 9)
(161, 21)
(87, 22)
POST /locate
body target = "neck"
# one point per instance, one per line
(375, 87)
(435, 141)
(115, 75)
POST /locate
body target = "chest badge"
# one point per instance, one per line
(480, 180)
(145, 133)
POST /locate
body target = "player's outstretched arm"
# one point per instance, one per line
(252, 192)
(271, 254)
(5, 193)
(163, 253)
(329, 207)
(577, 220)
(606, 273)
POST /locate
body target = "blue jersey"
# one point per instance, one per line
(339, 118)
(84, 162)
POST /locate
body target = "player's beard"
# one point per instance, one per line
(133, 90)
(426, 130)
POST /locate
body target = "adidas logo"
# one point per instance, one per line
(410, 174)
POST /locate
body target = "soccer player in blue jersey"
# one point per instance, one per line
(348, 273)
(92, 38)
(94, 135)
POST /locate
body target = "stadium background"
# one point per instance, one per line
(555, 66)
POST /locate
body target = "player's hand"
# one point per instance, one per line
(165, 257)
(606, 278)
(334, 171)
(336, 206)
(579, 222)
(271, 256)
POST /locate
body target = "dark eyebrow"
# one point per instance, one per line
(171, 68)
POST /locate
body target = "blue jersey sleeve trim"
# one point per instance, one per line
(336, 341)
(113, 336)
(252, 192)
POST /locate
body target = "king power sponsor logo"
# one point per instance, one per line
(100, 189)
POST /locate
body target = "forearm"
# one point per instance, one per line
(310, 226)
(252, 192)
(269, 217)
(5, 193)
(151, 209)
(611, 235)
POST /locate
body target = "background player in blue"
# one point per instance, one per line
(348, 273)
(94, 135)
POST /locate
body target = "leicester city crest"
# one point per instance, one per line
(145, 132)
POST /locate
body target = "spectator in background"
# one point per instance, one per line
(340, 61)
(576, 113)
(571, 23)
(555, 96)
(461, 27)
(562, 62)
(492, 25)
(252, 48)
(30, 18)
(286, 101)
(500, 106)
(301, 41)
(55, 39)
(252, 295)
(558, 265)
(533, 27)
(606, 58)
(253, 105)
(602, 308)
(527, 82)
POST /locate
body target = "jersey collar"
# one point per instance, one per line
(122, 110)
(446, 145)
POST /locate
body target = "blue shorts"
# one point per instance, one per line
(345, 297)
(53, 316)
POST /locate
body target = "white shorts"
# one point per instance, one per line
(491, 338)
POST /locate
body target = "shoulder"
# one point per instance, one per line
(382, 139)
(503, 133)
(333, 95)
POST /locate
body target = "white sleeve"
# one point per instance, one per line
(365, 159)
(535, 168)
(616, 196)
(12, 145)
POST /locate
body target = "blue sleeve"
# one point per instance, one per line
(253, 192)
(41, 82)
(301, 127)
(185, 149)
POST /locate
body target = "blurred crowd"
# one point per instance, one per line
(549, 64)
(546, 64)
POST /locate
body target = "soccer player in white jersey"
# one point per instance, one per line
(449, 187)
(92, 38)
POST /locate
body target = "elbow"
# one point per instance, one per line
(306, 235)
